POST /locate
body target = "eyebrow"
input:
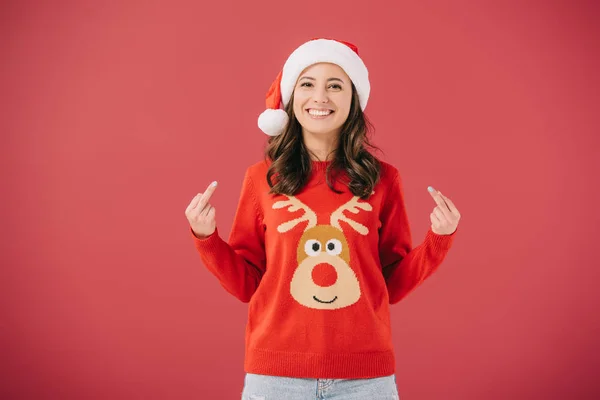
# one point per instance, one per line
(330, 79)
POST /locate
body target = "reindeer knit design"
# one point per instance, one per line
(322, 245)
(319, 270)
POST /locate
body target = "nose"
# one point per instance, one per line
(324, 275)
(320, 96)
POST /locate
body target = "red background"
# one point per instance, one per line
(115, 115)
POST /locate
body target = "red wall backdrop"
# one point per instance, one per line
(115, 115)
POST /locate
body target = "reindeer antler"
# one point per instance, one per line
(294, 204)
(353, 206)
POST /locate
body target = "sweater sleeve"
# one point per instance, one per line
(239, 263)
(404, 267)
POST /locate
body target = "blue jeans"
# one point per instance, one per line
(263, 387)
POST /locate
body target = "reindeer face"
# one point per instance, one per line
(323, 278)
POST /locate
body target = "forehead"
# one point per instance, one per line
(325, 70)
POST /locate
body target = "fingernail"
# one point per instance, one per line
(214, 183)
(430, 189)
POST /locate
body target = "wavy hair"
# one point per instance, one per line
(291, 164)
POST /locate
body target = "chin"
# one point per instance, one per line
(321, 130)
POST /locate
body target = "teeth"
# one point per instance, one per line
(319, 113)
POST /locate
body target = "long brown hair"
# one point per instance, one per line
(291, 163)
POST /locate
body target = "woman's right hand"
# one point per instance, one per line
(201, 214)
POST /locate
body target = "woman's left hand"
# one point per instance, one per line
(445, 216)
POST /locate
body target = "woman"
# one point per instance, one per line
(320, 244)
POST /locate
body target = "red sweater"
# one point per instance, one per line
(319, 270)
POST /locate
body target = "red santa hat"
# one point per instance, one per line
(274, 119)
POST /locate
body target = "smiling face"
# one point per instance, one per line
(322, 99)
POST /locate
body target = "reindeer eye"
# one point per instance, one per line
(334, 247)
(312, 247)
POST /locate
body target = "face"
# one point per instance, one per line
(322, 99)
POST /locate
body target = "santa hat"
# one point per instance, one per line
(274, 119)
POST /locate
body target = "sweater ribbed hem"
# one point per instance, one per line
(320, 366)
(319, 166)
(209, 244)
(440, 243)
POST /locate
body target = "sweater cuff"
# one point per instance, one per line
(439, 242)
(207, 244)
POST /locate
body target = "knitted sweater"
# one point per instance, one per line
(319, 271)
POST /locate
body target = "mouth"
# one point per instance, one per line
(326, 302)
(318, 114)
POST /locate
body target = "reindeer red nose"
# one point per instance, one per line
(324, 275)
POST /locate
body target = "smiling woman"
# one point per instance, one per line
(320, 244)
(323, 121)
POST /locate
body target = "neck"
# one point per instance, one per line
(320, 147)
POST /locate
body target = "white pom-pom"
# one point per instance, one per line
(273, 122)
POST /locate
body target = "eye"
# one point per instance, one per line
(336, 86)
(306, 84)
(312, 247)
(334, 247)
